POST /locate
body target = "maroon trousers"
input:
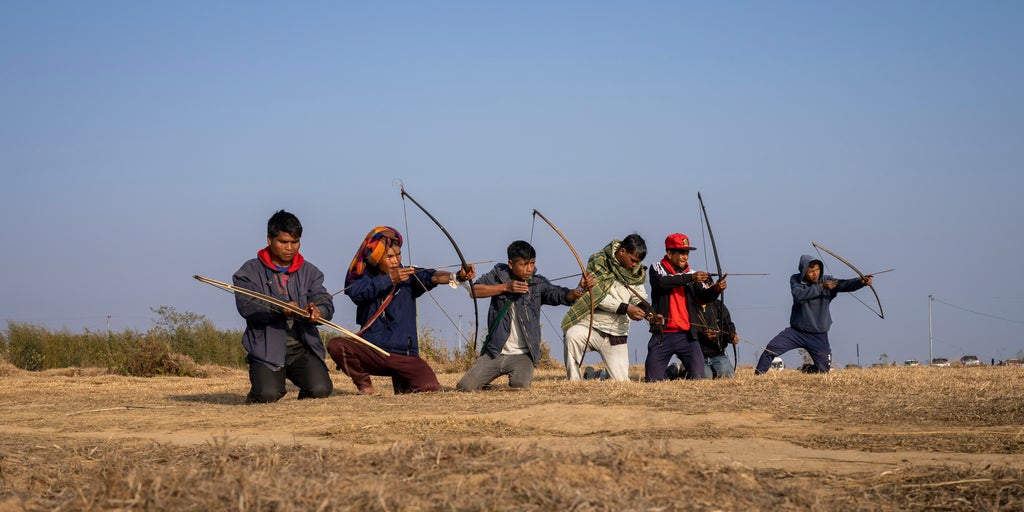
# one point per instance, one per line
(409, 374)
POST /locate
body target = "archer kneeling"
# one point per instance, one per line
(385, 294)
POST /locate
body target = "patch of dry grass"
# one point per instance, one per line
(879, 439)
(457, 475)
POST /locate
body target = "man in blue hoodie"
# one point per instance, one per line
(810, 318)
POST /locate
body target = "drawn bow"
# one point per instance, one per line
(583, 269)
(291, 308)
(880, 312)
(718, 268)
(465, 266)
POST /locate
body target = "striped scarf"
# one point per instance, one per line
(372, 251)
(606, 270)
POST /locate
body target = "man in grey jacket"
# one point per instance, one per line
(280, 345)
(512, 345)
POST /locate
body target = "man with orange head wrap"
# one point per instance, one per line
(385, 294)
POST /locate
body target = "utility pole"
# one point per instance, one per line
(930, 356)
(108, 325)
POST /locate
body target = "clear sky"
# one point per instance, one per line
(142, 143)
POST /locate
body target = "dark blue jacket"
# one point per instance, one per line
(811, 301)
(266, 332)
(527, 310)
(395, 329)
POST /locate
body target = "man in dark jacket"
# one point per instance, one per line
(512, 345)
(715, 331)
(810, 318)
(280, 345)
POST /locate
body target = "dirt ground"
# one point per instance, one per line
(872, 439)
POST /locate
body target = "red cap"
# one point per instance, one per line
(678, 241)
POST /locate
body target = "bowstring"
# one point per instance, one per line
(533, 226)
(408, 241)
(718, 321)
(408, 247)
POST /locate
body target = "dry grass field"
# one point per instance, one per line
(877, 439)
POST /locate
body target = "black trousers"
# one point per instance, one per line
(302, 367)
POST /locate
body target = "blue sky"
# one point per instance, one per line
(143, 143)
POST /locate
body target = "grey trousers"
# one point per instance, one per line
(519, 369)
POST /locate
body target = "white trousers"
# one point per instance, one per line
(615, 357)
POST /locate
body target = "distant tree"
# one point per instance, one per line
(884, 358)
(170, 321)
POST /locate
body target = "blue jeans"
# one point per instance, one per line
(718, 367)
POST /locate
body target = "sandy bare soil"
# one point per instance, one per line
(879, 439)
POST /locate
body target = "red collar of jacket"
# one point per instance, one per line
(678, 313)
(264, 257)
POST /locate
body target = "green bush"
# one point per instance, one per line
(172, 347)
(152, 357)
(178, 344)
(195, 336)
(24, 346)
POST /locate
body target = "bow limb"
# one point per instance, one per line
(718, 268)
(880, 312)
(291, 308)
(583, 269)
(465, 266)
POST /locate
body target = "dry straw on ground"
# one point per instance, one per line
(878, 439)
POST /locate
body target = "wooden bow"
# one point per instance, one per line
(291, 308)
(880, 312)
(718, 268)
(583, 269)
(465, 266)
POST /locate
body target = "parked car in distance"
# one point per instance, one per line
(852, 366)
(940, 361)
(911, 362)
(778, 364)
(1013, 362)
(970, 361)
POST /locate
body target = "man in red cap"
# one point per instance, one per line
(676, 290)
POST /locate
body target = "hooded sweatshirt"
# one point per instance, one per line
(811, 301)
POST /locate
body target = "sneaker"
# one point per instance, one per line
(589, 373)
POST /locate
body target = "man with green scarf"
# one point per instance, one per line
(618, 297)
